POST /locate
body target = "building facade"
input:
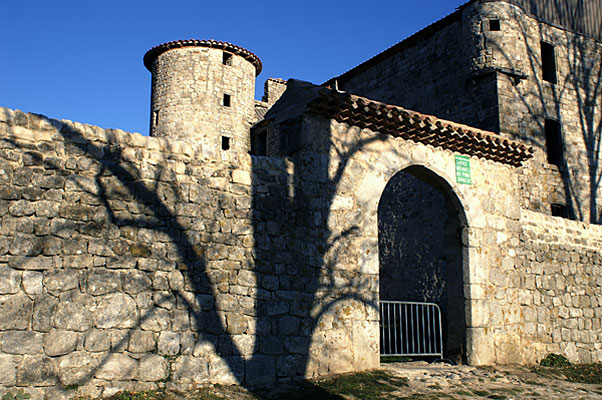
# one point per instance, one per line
(250, 241)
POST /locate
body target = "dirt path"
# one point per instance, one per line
(420, 380)
(440, 381)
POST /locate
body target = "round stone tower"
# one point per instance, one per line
(203, 91)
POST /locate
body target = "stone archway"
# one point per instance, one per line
(420, 222)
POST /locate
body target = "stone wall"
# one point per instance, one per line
(465, 69)
(131, 262)
(187, 98)
(560, 287)
(433, 74)
(574, 100)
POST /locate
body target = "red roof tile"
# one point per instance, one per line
(153, 53)
(421, 128)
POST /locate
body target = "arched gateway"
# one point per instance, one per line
(420, 222)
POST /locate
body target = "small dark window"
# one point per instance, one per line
(560, 210)
(259, 144)
(227, 59)
(548, 62)
(494, 25)
(554, 147)
(225, 143)
(226, 100)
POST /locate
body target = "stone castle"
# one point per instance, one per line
(250, 241)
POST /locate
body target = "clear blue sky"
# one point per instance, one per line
(82, 60)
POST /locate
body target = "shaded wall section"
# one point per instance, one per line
(420, 251)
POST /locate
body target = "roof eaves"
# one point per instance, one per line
(420, 128)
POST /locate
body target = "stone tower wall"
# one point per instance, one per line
(187, 100)
(574, 101)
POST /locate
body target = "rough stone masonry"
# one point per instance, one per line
(132, 262)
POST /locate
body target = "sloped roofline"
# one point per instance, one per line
(438, 25)
(404, 44)
(420, 128)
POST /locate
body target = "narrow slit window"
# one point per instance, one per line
(155, 120)
(554, 147)
(225, 143)
(548, 62)
(494, 25)
(560, 210)
(226, 100)
(227, 59)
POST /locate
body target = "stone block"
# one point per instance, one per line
(32, 283)
(61, 280)
(116, 310)
(43, 312)
(156, 319)
(60, 342)
(74, 312)
(31, 263)
(480, 346)
(35, 370)
(190, 370)
(141, 342)
(97, 340)
(10, 280)
(169, 343)
(26, 245)
(77, 368)
(226, 370)
(103, 281)
(135, 282)
(260, 370)
(21, 342)
(152, 368)
(117, 367)
(15, 312)
(8, 370)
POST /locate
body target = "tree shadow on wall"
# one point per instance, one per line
(253, 297)
(574, 82)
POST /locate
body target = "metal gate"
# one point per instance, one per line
(410, 329)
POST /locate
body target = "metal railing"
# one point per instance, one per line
(410, 329)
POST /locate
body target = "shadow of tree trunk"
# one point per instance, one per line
(294, 276)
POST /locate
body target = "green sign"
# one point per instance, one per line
(463, 170)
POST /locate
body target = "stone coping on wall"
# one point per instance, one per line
(556, 230)
(153, 53)
(30, 127)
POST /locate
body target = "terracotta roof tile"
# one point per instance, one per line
(153, 53)
(421, 128)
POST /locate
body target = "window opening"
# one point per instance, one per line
(494, 25)
(226, 100)
(225, 143)
(155, 120)
(554, 146)
(227, 58)
(548, 62)
(560, 210)
(259, 144)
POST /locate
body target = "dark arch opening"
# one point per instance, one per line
(420, 223)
